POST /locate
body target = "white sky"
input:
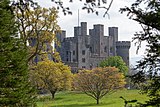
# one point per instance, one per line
(126, 27)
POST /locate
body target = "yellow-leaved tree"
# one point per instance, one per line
(37, 27)
(53, 76)
(98, 82)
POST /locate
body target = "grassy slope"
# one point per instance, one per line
(72, 99)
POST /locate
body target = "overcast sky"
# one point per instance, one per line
(126, 27)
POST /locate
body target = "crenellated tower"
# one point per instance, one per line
(122, 49)
(86, 51)
(113, 36)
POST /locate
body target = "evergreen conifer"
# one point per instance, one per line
(15, 89)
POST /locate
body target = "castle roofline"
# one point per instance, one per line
(123, 43)
(113, 27)
(98, 25)
(69, 38)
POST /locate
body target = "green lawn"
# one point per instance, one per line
(73, 99)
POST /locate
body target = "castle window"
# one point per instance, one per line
(83, 66)
(111, 49)
(105, 49)
(91, 49)
(67, 60)
(83, 52)
(66, 52)
(73, 52)
(83, 60)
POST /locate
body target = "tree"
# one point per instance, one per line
(147, 13)
(53, 76)
(56, 56)
(98, 82)
(36, 26)
(115, 61)
(15, 88)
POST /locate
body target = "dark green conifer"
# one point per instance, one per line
(15, 89)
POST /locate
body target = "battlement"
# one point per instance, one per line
(123, 44)
(70, 39)
(98, 25)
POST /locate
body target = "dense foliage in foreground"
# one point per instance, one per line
(147, 14)
(15, 89)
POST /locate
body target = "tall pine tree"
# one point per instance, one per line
(15, 89)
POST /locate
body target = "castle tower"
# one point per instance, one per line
(61, 36)
(83, 47)
(97, 36)
(113, 33)
(83, 28)
(122, 48)
(77, 31)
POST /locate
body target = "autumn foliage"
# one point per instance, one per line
(99, 81)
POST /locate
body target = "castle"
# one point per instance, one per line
(86, 51)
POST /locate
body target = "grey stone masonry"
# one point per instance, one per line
(86, 51)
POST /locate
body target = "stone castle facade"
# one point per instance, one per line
(86, 51)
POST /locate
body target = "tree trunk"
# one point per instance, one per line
(97, 100)
(53, 93)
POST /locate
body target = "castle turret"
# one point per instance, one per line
(97, 36)
(61, 36)
(77, 31)
(122, 48)
(83, 28)
(113, 33)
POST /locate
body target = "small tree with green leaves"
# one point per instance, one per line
(115, 61)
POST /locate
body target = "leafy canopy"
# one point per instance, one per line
(115, 61)
(53, 76)
(36, 26)
(98, 82)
